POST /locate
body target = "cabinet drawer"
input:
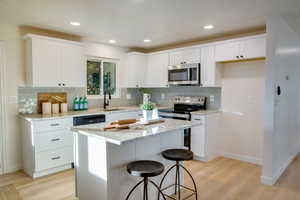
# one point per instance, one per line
(53, 140)
(198, 119)
(54, 158)
(52, 125)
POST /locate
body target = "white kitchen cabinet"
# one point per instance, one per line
(175, 58)
(136, 66)
(188, 55)
(73, 68)
(246, 48)
(47, 146)
(54, 62)
(157, 70)
(227, 51)
(253, 48)
(203, 136)
(211, 72)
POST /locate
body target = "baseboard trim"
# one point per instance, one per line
(240, 157)
(272, 180)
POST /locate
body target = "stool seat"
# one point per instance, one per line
(145, 168)
(178, 154)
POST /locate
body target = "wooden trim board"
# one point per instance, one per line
(243, 60)
(208, 39)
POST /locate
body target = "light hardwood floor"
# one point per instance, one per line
(221, 179)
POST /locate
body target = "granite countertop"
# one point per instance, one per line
(121, 136)
(205, 112)
(32, 117)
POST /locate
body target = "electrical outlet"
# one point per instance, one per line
(128, 96)
(212, 98)
(163, 95)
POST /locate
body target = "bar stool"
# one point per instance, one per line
(178, 155)
(145, 169)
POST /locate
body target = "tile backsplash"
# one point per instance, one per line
(161, 96)
(165, 96)
(32, 93)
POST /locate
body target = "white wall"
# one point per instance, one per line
(241, 125)
(281, 137)
(15, 76)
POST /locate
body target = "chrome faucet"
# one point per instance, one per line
(106, 101)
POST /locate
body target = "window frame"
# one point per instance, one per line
(102, 61)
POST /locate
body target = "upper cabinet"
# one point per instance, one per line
(243, 49)
(189, 55)
(253, 48)
(54, 62)
(157, 70)
(210, 70)
(151, 70)
(136, 66)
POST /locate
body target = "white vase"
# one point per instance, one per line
(147, 115)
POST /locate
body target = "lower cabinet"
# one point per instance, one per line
(203, 136)
(47, 146)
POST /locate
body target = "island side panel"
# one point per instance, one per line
(148, 148)
(91, 167)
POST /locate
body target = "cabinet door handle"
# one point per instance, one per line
(55, 139)
(55, 158)
(237, 57)
(57, 124)
(197, 119)
(63, 84)
(59, 84)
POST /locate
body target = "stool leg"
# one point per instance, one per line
(162, 180)
(146, 188)
(158, 188)
(134, 189)
(178, 179)
(195, 186)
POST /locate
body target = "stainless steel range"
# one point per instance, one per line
(183, 106)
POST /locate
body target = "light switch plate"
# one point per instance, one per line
(212, 98)
(163, 95)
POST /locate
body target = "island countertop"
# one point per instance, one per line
(124, 135)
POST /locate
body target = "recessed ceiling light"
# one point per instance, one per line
(208, 26)
(75, 23)
(147, 40)
(112, 41)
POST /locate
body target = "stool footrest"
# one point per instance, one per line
(172, 185)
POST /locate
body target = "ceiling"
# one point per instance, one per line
(129, 22)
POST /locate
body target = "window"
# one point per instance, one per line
(102, 77)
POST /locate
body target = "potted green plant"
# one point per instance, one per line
(147, 108)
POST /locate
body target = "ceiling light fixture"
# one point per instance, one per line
(147, 40)
(75, 23)
(208, 26)
(112, 41)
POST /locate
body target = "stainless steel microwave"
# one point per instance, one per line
(184, 74)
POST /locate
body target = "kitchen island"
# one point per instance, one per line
(101, 157)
